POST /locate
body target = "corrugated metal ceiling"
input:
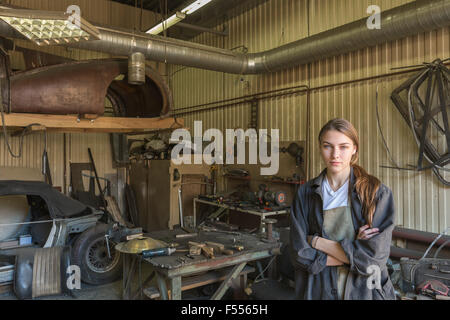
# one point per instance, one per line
(158, 6)
(212, 15)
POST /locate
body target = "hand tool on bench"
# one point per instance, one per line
(186, 235)
(219, 248)
(195, 250)
(177, 246)
(206, 250)
(211, 229)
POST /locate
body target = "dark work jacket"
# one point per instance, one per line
(313, 279)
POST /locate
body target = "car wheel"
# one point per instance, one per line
(90, 253)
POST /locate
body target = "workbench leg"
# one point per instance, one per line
(175, 285)
(243, 282)
(162, 286)
(125, 295)
(260, 268)
(195, 213)
(129, 262)
(238, 286)
(127, 276)
(227, 282)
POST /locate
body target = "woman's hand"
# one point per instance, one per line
(365, 233)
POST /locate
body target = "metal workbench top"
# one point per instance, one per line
(254, 249)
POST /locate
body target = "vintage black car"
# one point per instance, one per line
(55, 220)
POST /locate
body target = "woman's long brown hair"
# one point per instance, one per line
(366, 184)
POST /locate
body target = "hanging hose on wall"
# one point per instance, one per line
(425, 109)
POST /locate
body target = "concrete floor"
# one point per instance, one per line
(111, 291)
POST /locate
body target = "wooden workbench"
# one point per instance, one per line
(172, 270)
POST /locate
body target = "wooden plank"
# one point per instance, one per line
(227, 282)
(90, 116)
(211, 277)
(113, 208)
(27, 131)
(162, 286)
(175, 285)
(71, 123)
(199, 281)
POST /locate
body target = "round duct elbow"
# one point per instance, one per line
(86, 87)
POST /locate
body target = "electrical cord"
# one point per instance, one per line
(382, 135)
(434, 241)
(440, 248)
(257, 280)
(5, 133)
(435, 167)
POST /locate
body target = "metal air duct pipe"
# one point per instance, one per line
(136, 69)
(397, 23)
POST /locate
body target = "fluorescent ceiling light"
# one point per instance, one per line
(178, 16)
(195, 6)
(48, 27)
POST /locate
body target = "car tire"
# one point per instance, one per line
(89, 252)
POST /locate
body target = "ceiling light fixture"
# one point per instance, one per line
(178, 16)
(190, 9)
(48, 27)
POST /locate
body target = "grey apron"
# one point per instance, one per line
(338, 225)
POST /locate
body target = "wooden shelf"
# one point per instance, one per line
(248, 178)
(71, 123)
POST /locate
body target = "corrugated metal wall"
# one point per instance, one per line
(103, 12)
(422, 202)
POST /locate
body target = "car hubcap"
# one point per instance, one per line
(97, 256)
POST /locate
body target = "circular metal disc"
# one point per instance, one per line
(140, 244)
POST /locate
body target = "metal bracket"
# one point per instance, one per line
(254, 114)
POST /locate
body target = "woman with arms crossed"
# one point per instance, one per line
(341, 225)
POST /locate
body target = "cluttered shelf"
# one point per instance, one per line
(248, 178)
(242, 206)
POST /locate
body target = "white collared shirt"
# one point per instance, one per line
(334, 199)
